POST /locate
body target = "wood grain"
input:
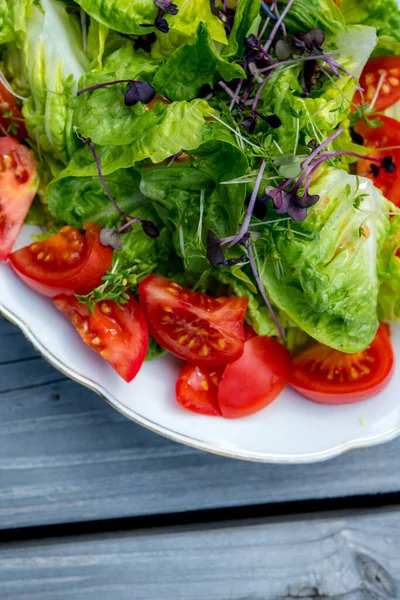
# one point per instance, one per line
(66, 456)
(353, 557)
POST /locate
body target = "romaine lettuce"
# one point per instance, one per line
(327, 281)
(389, 273)
(53, 61)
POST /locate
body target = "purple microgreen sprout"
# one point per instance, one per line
(173, 158)
(261, 288)
(164, 7)
(268, 10)
(216, 255)
(249, 212)
(138, 91)
(277, 25)
(148, 227)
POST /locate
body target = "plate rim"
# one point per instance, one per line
(260, 457)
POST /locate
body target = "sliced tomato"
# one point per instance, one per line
(191, 325)
(119, 335)
(256, 379)
(385, 136)
(387, 66)
(68, 262)
(197, 388)
(10, 115)
(329, 376)
(18, 185)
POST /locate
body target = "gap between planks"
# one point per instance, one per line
(333, 555)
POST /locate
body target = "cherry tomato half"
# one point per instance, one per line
(197, 388)
(329, 376)
(385, 136)
(10, 115)
(191, 325)
(68, 262)
(255, 379)
(119, 335)
(18, 185)
(390, 91)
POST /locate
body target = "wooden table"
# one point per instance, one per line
(93, 507)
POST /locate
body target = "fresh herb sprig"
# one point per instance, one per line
(116, 285)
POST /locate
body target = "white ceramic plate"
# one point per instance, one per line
(291, 430)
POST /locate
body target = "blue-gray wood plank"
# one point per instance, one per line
(342, 557)
(66, 456)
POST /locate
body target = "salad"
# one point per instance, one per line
(219, 179)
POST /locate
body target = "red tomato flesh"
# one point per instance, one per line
(119, 335)
(18, 185)
(387, 66)
(11, 120)
(68, 262)
(329, 376)
(191, 325)
(256, 379)
(197, 388)
(385, 136)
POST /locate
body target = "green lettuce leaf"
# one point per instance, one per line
(124, 16)
(53, 63)
(384, 15)
(96, 43)
(191, 14)
(190, 198)
(192, 66)
(325, 277)
(389, 273)
(315, 117)
(306, 14)
(13, 20)
(76, 200)
(246, 13)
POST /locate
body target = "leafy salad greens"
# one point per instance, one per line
(213, 142)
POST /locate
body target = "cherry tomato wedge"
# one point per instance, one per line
(119, 335)
(11, 120)
(387, 67)
(68, 262)
(18, 185)
(256, 379)
(329, 376)
(197, 388)
(191, 325)
(385, 136)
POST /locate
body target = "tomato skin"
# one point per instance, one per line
(50, 280)
(256, 379)
(197, 389)
(385, 136)
(8, 103)
(18, 185)
(119, 335)
(191, 325)
(390, 90)
(312, 383)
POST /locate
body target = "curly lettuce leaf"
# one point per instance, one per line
(191, 14)
(315, 117)
(384, 15)
(327, 280)
(13, 20)
(124, 16)
(76, 199)
(306, 14)
(192, 66)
